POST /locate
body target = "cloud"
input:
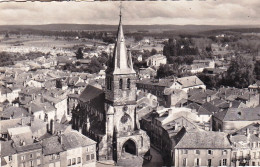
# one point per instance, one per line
(134, 12)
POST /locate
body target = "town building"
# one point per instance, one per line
(233, 119)
(246, 146)
(202, 148)
(156, 60)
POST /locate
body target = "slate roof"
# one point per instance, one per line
(89, 93)
(204, 140)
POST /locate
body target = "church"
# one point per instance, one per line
(108, 115)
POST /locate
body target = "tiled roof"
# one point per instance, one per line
(52, 145)
(239, 114)
(7, 148)
(210, 107)
(190, 81)
(161, 82)
(254, 127)
(204, 140)
(33, 146)
(14, 112)
(75, 139)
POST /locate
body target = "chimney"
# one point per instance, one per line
(247, 132)
(61, 139)
(230, 104)
(80, 130)
(52, 128)
(88, 124)
(22, 121)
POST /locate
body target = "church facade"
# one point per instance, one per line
(108, 115)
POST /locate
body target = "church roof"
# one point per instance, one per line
(89, 93)
(121, 62)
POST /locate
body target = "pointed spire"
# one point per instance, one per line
(121, 60)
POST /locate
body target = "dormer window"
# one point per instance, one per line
(120, 84)
(128, 83)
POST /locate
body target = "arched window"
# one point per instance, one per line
(128, 83)
(120, 84)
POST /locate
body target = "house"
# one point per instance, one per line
(188, 83)
(60, 149)
(13, 112)
(9, 93)
(147, 73)
(201, 148)
(233, 119)
(246, 146)
(175, 97)
(155, 121)
(156, 60)
(158, 87)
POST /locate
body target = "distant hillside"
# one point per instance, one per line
(131, 28)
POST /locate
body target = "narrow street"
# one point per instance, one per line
(156, 161)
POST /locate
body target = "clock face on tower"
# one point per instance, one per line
(125, 108)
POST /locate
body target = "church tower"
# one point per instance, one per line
(120, 93)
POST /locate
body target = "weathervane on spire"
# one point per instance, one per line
(120, 7)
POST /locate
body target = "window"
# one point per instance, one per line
(51, 165)
(88, 157)
(23, 158)
(31, 156)
(23, 164)
(209, 162)
(79, 160)
(224, 152)
(92, 156)
(31, 163)
(210, 152)
(10, 158)
(120, 84)
(185, 151)
(254, 154)
(73, 161)
(197, 162)
(253, 163)
(197, 151)
(184, 162)
(38, 161)
(69, 162)
(128, 83)
(224, 162)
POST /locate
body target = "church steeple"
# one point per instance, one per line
(121, 62)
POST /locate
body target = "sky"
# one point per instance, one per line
(208, 12)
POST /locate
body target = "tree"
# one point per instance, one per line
(79, 54)
(138, 38)
(257, 69)
(167, 70)
(153, 51)
(240, 73)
